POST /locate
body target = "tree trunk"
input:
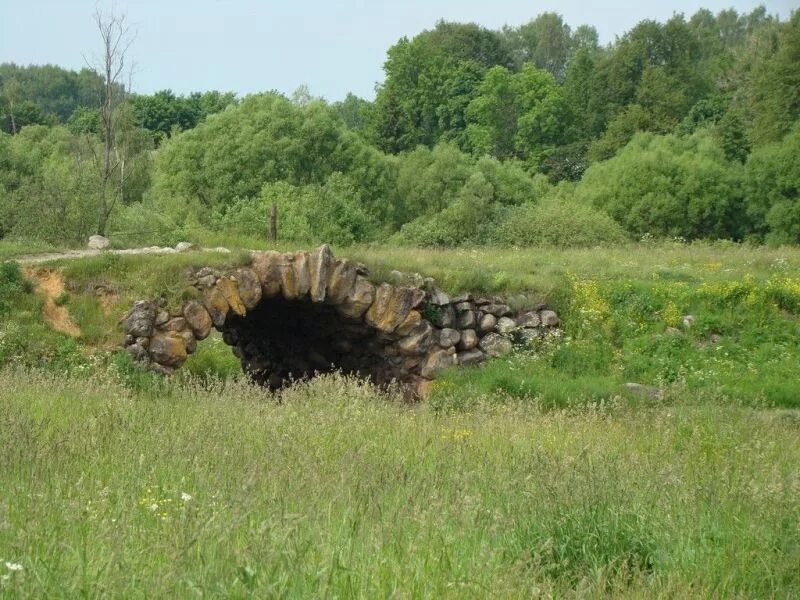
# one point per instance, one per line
(273, 223)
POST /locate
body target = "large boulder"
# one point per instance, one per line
(341, 279)
(470, 357)
(319, 263)
(436, 361)
(168, 349)
(449, 337)
(469, 340)
(98, 242)
(249, 287)
(413, 319)
(467, 320)
(267, 267)
(418, 341)
(438, 297)
(216, 305)
(198, 319)
(506, 325)
(359, 299)
(549, 318)
(230, 290)
(140, 320)
(529, 319)
(487, 324)
(295, 277)
(495, 345)
(390, 308)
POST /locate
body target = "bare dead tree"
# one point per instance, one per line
(116, 37)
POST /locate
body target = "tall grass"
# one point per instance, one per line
(340, 491)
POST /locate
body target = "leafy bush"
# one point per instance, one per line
(264, 139)
(331, 212)
(559, 222)
(12, 285)
(468, 220)
(139, 224)
(773, 190)
(669, 186)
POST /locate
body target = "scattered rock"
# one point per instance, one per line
(688, 321)
(161, 317)
(495, 345)
(98, 242)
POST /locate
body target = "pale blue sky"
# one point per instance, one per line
(249, 46)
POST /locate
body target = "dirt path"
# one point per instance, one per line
(37, 259)
(50, 283)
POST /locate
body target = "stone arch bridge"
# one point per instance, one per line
(293, 315)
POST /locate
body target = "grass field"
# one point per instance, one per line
(536, 475)
(341, 492)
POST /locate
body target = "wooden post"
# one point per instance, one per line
(273, 222)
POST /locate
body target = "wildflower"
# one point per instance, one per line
(154, 506)
(13, 566)
(185, 497)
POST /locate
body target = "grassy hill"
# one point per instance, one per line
(534, 475)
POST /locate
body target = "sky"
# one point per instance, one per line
(248, 46)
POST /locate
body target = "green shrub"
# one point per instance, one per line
(12, 285)
(558, 222)
(669, 186)
(468, 220)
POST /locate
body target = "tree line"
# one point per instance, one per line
(534, 134)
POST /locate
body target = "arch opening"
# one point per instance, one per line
(280, 341)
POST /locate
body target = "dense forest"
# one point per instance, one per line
(529, 135)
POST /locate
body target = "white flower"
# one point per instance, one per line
(13, 566)
(154, 507)
(185, 497)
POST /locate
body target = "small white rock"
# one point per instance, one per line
(184, 246)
